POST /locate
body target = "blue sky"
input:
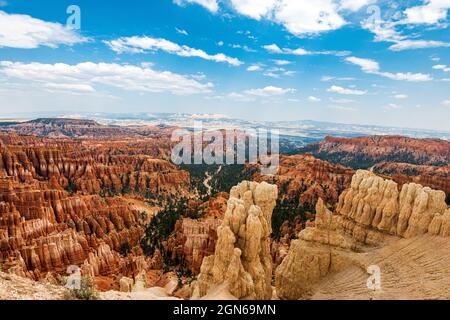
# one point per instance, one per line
(352, 61)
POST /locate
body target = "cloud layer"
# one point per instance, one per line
(25, 32)
(84, 77)
(373, 67)
(147, 44)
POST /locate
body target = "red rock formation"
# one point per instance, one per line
(363, 152)
(306, 179)
(46, 230)
(429, 176)
(194, 239)
(91, 166)
(54, 206)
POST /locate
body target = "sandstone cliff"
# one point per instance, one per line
(91, 166)
(430, 176)
(305, 179)
(194, 239)
(371, 213)
(364, 152)
(45, 230)
(242, 261)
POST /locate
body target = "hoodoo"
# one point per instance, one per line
(242, 264)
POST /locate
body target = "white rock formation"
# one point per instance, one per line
(242, 263)
(371, 211)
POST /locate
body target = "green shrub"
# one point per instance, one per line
(86, 291)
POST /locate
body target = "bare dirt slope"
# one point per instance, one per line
(13, 287)
(412, 269)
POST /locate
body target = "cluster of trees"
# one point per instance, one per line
(291, 210)
(162, 226)
(223, 177)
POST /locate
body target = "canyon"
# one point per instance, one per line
(364, 152)
(424, 161)
(66, 202)
(108, 200)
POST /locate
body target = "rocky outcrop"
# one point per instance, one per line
(369, 213)
(80, 128)
(242, 261)
(194, 239)
(94, 167)
(64, 202)
(44, 230)
(305, 179)
(364, 152)
(316, 254)
(437, 178)
(373, 207)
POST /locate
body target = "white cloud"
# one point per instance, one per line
(432, 12)
(299, 17)
(345, 91)
(72, 87)
(243, 47)
(355, 5)
(442, 67)
(254, 94)
(211, 5)
(385, 31)
(409, 76)
(308, 17)
(142, 44)
(254, 68)
(253, 9)
(87, 75)
(329, 78)
(393, 106)
(198, 76)
(273, 72)
(275, 49)
(269, 91)
(25, 32)
(314, 99)
(341, 100)
(373, 67)
(435, 58)
(401, 96)
(366, 65)
(277, 72)
(342, 108)
(418, 44)
(182, 31)
(282, 62)
(446, 103)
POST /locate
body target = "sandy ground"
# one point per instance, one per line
(411, 269)
(13, 287)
